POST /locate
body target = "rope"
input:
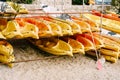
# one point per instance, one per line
(45, 58)
(101, 23)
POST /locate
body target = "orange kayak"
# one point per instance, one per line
(109, 16)
(86, 42)
(85, 27)
(44, 29)
(92, 24)
(95, 40)
(66, 28)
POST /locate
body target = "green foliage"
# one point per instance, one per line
(22, 1)
(79, 2)
(116, 5)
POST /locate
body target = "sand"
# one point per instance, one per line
(79, 67)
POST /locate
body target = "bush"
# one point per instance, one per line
(116, 5)
(80, 2)
(22, 1)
